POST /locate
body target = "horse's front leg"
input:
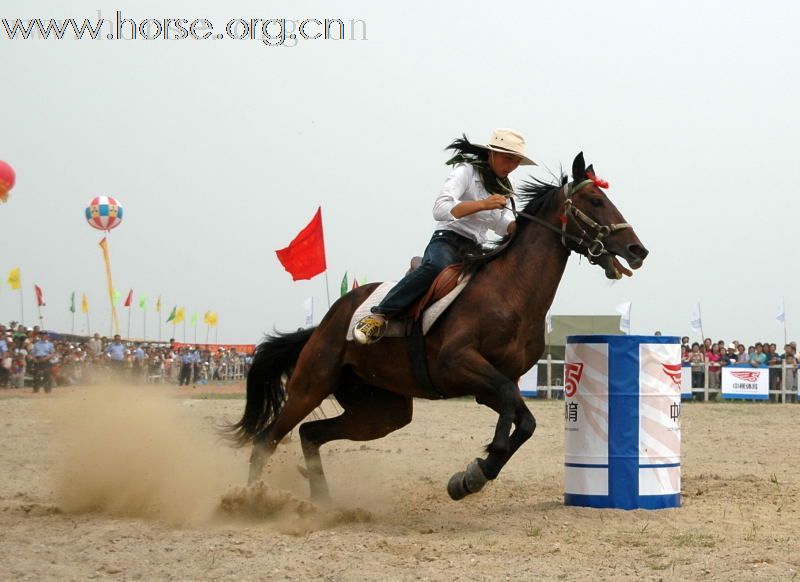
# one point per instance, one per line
(502, 395)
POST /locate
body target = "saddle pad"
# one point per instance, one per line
(398, 328)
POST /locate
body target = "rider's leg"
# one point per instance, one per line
(441, 251)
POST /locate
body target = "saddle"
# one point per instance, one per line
(444, 283)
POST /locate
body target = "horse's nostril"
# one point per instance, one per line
(638, 251)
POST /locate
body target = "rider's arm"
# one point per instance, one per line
(450, 205)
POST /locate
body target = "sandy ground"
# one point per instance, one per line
(126, 484)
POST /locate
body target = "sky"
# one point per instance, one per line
(221, 151)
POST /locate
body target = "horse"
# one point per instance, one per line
(481, 345)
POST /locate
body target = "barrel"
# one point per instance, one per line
(622, 407)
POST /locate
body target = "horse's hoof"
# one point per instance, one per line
(455, 487)
(474, 479)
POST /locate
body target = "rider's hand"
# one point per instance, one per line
(494, 202)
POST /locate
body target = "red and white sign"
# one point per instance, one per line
(750, 383)
(572, 377)
(673, 371)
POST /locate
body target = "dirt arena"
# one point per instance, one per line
(131, 483)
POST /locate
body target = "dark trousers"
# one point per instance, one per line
(185, 375)
(41, 375)
(445, 248)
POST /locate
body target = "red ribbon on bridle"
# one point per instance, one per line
(599, 182)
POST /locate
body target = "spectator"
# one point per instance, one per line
(95, 345)
(5, 359)
(791, 377)
(116, 353)
(138, 368)
(42, 356)
(187, 363)
(742, 357)
(18, 369)
(697, 359)
(758, 358)
(714, 373)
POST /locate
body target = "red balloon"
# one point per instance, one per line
(7, 180)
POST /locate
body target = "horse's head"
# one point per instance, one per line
(591, 218)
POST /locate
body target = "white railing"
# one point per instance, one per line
(553, 387)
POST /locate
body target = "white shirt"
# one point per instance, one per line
(463, 184)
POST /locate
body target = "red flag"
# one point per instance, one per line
(129, 298)
(39, 296)
(304, 258)
(355, 284)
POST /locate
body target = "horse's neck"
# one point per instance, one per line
(533, 267)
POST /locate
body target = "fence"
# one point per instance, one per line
(780, 388)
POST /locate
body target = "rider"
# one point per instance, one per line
(472, 201)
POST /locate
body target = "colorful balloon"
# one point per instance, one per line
(7, 180)
(104, 213)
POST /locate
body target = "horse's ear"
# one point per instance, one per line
(579, 168)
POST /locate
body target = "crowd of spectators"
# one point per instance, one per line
(43, 360)
(712, 356)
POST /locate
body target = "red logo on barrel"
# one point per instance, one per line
(747, 376)
(673, 371)
(572, 373)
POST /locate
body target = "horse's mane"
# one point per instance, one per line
(536, 197)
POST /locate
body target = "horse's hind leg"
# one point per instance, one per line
(304, 393)
(369, 413)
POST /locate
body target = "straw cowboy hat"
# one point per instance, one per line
(508, 141)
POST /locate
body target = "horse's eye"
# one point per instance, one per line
(596, 202)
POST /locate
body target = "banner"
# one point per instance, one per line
(745, 382)
(528, 384)
(238, 348)
(686, 382)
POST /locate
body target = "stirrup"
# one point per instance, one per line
(370, 329)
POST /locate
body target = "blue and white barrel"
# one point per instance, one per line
(622, 408)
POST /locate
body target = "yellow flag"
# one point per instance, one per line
(85, 304)
(14, 278)
(158, 304)
(180, 315)
(212, 318)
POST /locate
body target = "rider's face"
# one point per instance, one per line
(503, 164)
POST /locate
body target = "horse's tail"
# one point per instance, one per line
(266, 392)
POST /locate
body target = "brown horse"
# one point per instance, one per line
(489, 337)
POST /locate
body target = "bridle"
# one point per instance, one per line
(594, 247)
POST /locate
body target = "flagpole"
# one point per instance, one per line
(700, 315)
(88, 327)
(327, 290)
(129, 322)
(144, 323)
(208, 329)
(184, 328)
(630, 319)
(21, 306)
(785, 334)
(107, 260)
